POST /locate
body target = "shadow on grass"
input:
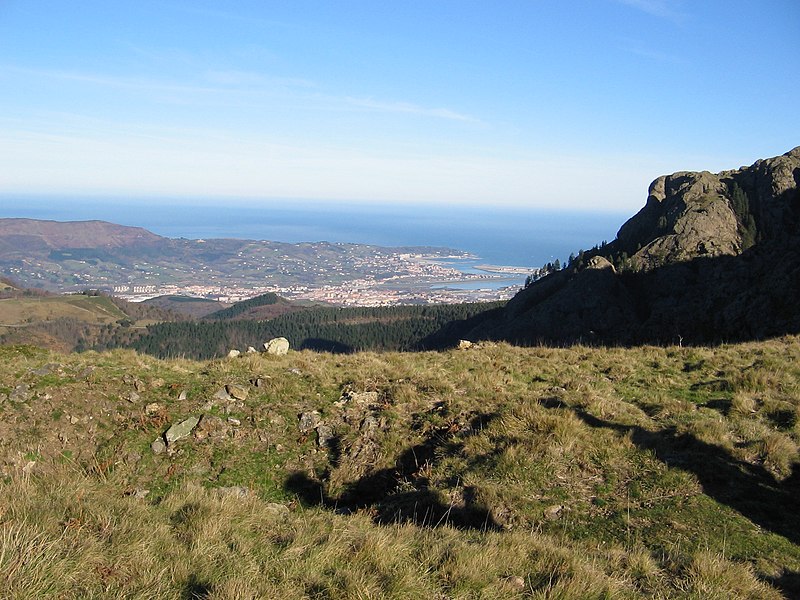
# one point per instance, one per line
(747, 488)
(403, 493)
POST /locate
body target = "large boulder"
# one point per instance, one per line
(277, 346)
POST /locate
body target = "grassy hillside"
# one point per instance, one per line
(20, 311)
(490, 472)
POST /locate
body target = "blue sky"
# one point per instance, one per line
(538, 103)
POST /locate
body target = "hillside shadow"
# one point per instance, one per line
(324, 345)
(707, 300)
(749, 489)
(403, 493)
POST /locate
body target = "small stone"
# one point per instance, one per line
(222, 394)
(235, 422)
(551, 513)
(516, 582)
(133, 397)
(29, 467)
(238, 392)
(309, 421)
(233, 353)
(251, 350)
(73, 420)
(295, 371)
(139, 385)
(140, 494)
(464, 344)
(180, 430)
(277, 509)
(260, 382)
(233, 491)
(360, 398)
(153, 408)
(324, 435)
(277, 346)
(157, 383)
(182, 395)
(158, 446)
(21, 393)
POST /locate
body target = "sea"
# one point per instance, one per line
(501, 236)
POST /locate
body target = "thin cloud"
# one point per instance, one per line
(412, 109)
(664, 9)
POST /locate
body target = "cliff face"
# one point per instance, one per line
(710, 257)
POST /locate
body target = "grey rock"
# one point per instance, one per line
(233, 353)
(47, 369)
(309, 421)
(158, 446)
(552, 513)
(251, 350)
(233, 491)
(464, 344)
(21, 393)
(277, 346)
(180, 430)
(182, 395)
(324, 435)
(133, 397)
(359, 398)
(139, 385)
(222, 394)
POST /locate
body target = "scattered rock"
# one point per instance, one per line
(139, 385)
(360, 398)
(251, 350)
(29, 467)
(21, 393)
(133, 397)
(157, 383)
(182, 395)
(181, 430)
(277, 509)
(222, 394)
(140, 494)
(235, 422)
(464, 344)
(153, 408)
(309, 421)
(277, 346)
(211, 427)
(260, 382)
(233, 353)
(47, 369)
(237, 392)
(158, 446)
(552, 513)
(516, 582)
(295, 371)
(233, 491)
(324, 435)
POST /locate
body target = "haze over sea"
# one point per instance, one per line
(512, 236)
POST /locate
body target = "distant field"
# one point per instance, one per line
(20, 312)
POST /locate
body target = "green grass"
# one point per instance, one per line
(493, 472)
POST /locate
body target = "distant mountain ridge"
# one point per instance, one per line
(709, 258)
(20, 234)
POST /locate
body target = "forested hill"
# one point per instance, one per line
(324, 329)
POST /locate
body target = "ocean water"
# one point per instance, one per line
(516, 236)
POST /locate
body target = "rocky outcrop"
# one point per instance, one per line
(710, 257)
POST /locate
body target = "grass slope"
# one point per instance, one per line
(491, 472)
(96, 310)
